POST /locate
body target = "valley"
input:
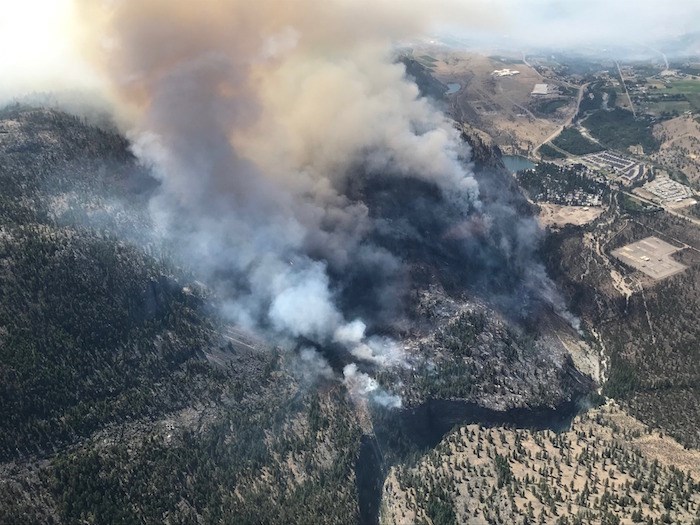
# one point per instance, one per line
(378, 313)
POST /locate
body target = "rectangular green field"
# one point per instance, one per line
(694, 100)
(657, 108)
(685, 86)
(689, 88)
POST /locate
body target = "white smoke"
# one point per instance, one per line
(311, 367)
(362, 387)
(302, 303)
(255, 129)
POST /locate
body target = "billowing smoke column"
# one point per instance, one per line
(268, 122)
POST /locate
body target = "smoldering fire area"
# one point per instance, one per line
(305, 178)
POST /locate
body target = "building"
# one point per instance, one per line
(668, 190)
(505, 72)
(541, 89)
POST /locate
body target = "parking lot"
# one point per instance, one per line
(651, 256)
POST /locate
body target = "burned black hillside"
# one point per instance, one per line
(116, 368)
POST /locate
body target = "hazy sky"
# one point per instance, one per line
(39, 50)
(575, 23)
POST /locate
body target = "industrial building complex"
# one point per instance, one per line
(627, 169)
(651, 256)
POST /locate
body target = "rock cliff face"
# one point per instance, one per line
(485, 153)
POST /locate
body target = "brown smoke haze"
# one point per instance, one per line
(257, 116)
(297, 87)
(302, 174)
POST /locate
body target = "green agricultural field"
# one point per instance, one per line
(672, 107)
(685, 86)
(694, 100)
(689, 88)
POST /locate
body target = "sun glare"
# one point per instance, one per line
(38, 49)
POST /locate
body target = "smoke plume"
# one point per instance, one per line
(302, 174)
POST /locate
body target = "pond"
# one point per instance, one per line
(452, 88)
(515, 163)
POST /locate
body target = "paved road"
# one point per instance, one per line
(629, 99)
(670, 211)
(554, 135)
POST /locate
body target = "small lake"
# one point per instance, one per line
(515, 163)
(452, 88)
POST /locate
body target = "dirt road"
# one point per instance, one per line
(568, 122)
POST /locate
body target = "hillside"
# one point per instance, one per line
(648, 327)
(349, 263)
(119, 378)
(115, 378)
(608, 468)
(679, 139)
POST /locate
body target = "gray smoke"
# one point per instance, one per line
(302, 175)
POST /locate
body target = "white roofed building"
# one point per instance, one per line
(540, 89)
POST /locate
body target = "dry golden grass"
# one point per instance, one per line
(501, 106)
(606, 467)
(680, 146)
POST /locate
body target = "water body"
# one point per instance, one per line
(516, 163)
(452, 88)
(407, 433)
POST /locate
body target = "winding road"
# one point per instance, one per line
(668, 210)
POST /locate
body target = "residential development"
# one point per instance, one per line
(668, 190)
(629, 170)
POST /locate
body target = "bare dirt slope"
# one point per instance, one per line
(680, 146)
(554, 215)
(501, 106)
